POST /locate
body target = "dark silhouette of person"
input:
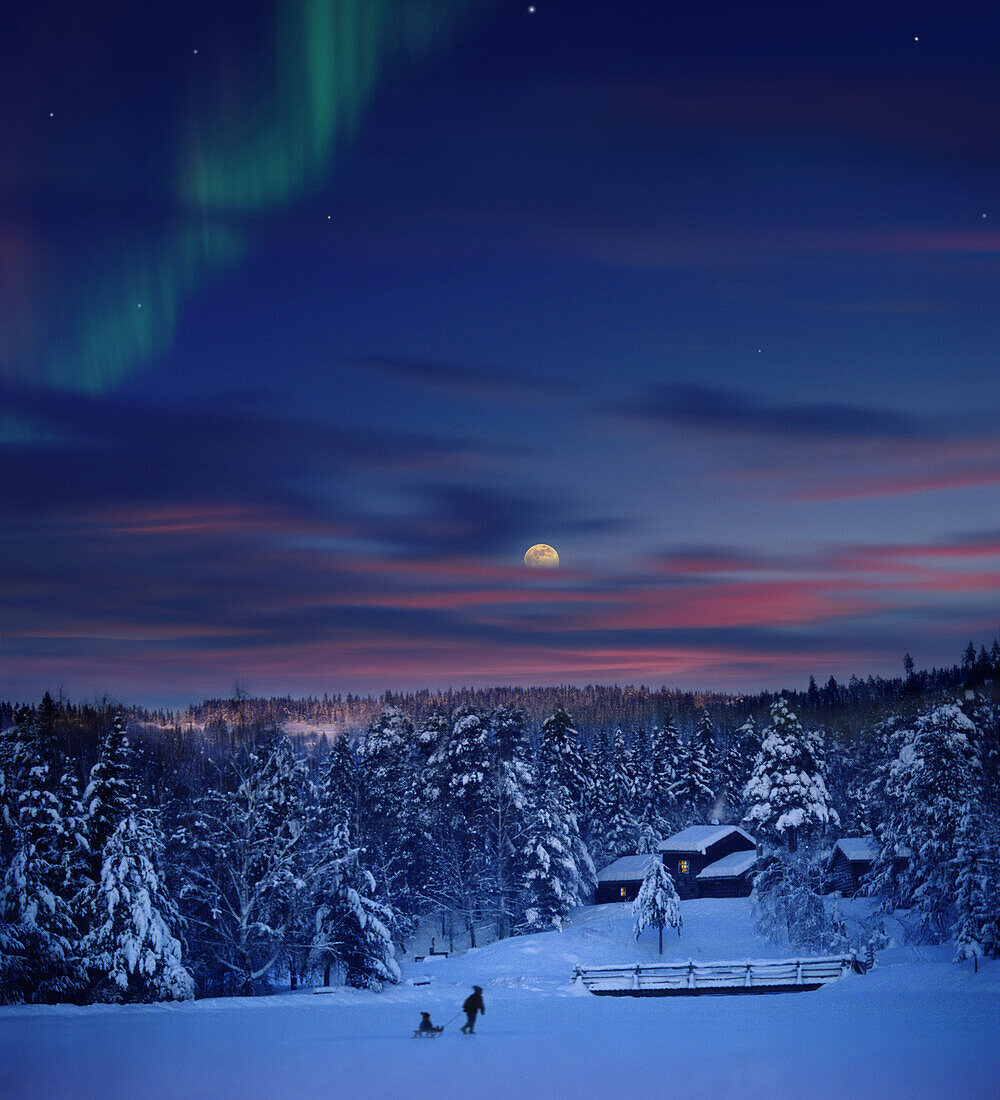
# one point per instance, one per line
(470, 1006)
(425, 1023)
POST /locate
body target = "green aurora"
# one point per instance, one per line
(253, 137)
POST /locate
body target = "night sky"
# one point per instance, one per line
(315, 315)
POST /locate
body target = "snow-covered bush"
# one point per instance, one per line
(787, 901)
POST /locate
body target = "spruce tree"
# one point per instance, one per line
(621, 826)
(692, 792)
(657, 904)
(664, 767)
(508, 810)
(351, 926)
(562, 764)
(131, 950)
(337, 790)
(976, 871)
(926, 790)
(787, 794)
(35, 902)
(109, 795)
(553, 884)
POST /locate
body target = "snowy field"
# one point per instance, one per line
(916, 1026)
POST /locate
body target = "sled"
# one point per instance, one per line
(418, 1034)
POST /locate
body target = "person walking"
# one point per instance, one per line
(470, 1006)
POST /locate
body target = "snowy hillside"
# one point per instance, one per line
(916, 1026)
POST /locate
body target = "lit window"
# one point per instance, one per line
(683, 866)
(623, 891)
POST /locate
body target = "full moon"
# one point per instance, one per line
(541, 556)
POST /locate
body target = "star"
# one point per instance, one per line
(984, 215)
(52, 114)
(916, 38)
(531, 9)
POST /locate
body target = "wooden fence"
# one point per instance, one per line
(693, 978)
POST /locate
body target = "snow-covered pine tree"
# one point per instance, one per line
(553, 884)
(657, 904)
(692, 792)
(131, 950)
(748, 740)
(288, 809)
(977, 887)
(383, 770)
(463, 763)
(648, 836)
(508, 809)
(337, 790)
(351, 928)
(926, 791)
(704, 737)
(20, 751)
(664, 767)
(433, 730)
(390, 806)
(35, 905)
(109, 796)
(566, 770)
(786, 795)
(562, 763)
(731, 775)
(621, 826)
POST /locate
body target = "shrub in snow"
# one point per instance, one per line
(131, 950)
(787, 794)
(657, 904)
(787, 900)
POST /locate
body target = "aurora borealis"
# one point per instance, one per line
(314, 315)
(223, 146)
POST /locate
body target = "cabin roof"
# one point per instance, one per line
(858, 849)
(731, 866)
(625, 869)
(699, 838)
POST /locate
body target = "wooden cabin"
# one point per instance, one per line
(852, 859)
(620, 881)
(729, 877)
(697, 858)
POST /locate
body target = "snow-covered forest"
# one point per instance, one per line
(142, 863)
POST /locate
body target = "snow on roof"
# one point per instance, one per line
(699, 838)
(625, 869)
(731, 866)
(857, 848)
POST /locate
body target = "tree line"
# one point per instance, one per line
(223, 862)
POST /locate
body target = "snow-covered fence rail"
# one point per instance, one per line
(692, 978)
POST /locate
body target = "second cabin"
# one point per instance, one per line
(711, 861)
